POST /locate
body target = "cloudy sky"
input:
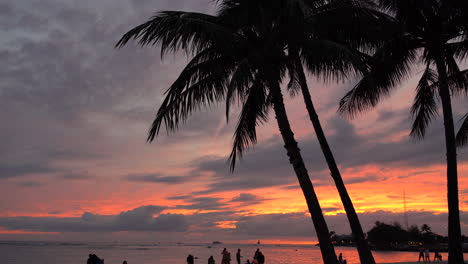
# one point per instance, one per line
(74, 163)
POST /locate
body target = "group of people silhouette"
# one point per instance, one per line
(425, 255)
(258, 258)
(94, 259)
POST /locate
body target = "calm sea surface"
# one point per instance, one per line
(76, 253)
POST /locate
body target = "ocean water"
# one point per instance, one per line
(114, 253)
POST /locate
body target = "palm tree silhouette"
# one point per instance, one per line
(237, 64)
(311, 34)
(435, 33)
(301, 25)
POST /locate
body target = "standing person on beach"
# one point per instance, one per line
(211, 260)
(238, 256)
(256, 254)
(421, 254)
(226, 257)
(426, 255)
(436, 255)
(260, 258)
(340, 258)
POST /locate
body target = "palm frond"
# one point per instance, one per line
(460, 48)
(331, 60)
(201, 83)
(457, 79)
(457, 82)
(178, 30)
(360, 25)
(389, 66)
(462, 134)
(254, 112)
(240, 80)
(424, 107)
(294, 84)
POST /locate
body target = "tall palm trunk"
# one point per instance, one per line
(365, 255)
(295, 158)
(454, 232)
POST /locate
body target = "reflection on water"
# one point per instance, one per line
(76, 253)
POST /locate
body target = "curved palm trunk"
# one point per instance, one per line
(454, 232)
(295, 158)
(365, 255)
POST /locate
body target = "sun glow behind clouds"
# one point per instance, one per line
(226, 224)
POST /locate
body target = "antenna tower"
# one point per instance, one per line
(404, 208)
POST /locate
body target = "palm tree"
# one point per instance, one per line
(302, 30)
(433, 32)
(236, 64)
(425, 228)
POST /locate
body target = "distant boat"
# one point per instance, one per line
(258, 242)
(217, 242)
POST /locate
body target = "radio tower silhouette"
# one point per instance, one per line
(404, 209)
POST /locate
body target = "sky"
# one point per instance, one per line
(75, 164)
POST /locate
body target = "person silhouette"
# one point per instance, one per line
(190, 259)
(211, 260)
(426, 255)
(260, 258)
(436, 255)
(238, 256)
(421, 254)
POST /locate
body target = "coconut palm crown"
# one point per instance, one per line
(434, 33)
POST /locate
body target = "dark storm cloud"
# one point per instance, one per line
(267, 165)
(158, 178)
(364, 179)
(179, 197)
(59, 67)
(247, 197)
(215, 203)
(204, 203)
(55, 213)
(10, 171)
(139, 219)
(75, 176)
(330, 209)
(263, 166)
(149, 218)
(273, 225)
(291, 187)
(30, 184)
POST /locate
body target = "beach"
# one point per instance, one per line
(148, 253)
